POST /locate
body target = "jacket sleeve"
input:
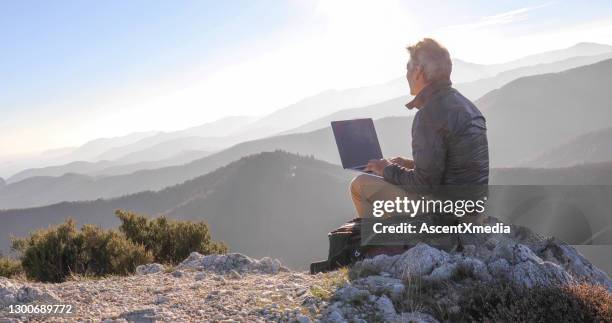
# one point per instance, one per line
(429, 149)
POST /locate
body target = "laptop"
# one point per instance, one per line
(357, 143)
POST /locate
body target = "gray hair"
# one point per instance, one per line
(433, 58)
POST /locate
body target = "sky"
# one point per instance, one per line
(73, 71)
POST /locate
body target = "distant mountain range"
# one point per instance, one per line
(526, 117)
(537, 113)
(271, 203)
(394, 134)
(592, 147)
(309, 114)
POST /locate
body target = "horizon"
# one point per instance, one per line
(190, 57)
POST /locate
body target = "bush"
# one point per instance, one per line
(506, 303)
(169, 241)
(51, 255)
(9, 267)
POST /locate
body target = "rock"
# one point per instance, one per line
(161, 299)
(386, 309)
(177, 274)
(234, 275)
(417, 261)
(572, 262)
(27, 294)
(232, 261)
(149, 269)
(335, 317)
(147, 315)
(200, 276)
(302, 319)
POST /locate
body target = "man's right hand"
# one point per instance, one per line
(404, 162)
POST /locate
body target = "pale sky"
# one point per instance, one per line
(74, 71)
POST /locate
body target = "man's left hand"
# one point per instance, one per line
(377, 166)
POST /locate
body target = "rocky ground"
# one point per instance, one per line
(423, 284)
(231, 288)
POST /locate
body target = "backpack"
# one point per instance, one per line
(345, 248)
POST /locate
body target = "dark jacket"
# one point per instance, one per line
(449, 142)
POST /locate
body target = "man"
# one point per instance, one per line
(449, 141)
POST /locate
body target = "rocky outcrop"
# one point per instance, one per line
(382, 281)
(232, 262)
(15, 293)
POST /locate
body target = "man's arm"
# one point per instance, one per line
(429, 150)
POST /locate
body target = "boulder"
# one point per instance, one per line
(149, 269)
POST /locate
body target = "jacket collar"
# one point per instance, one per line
(426, 93)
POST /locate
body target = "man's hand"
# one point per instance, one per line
(404, 162)
(377, 166)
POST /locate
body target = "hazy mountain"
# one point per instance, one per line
(476, 89)
(181, 158)
(472, 90)
(80, 167)
(2, 182)
(11, 166)
(95, 147)
(580, 49)
(215, 132)
(166, 149)
(270, 204)
(394, 135)
(587, 174)
(537, 113)
(592, 147)
(389, 108)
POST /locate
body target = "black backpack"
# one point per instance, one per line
(345, 248)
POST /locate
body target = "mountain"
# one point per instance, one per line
(476, 89)
(591, 147)
(580, 49)
(80, 167)
(184, 157)
(85, 152)
(166, 149)
(272, 203)
(537, 113)
(389, 108)
(215, 131)
(587, 174)
(394, 135)
(473, 90)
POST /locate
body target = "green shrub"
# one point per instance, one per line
(170, 241)
(51, 255)
(9, 267)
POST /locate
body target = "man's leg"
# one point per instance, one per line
(365, 189)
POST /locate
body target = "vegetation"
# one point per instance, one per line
(53, 254)
(329, 282)
(9, 267)
(505, 303)
(60, 252)
(169, 241)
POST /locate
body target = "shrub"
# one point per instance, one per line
(170, 241)
(51, 255)
(9, 267)
(505, 303)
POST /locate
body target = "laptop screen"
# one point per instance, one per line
(357, 142)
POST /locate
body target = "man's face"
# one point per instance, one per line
(412, 75)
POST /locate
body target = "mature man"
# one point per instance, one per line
(449, 140)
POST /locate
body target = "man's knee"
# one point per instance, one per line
(357, 185)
